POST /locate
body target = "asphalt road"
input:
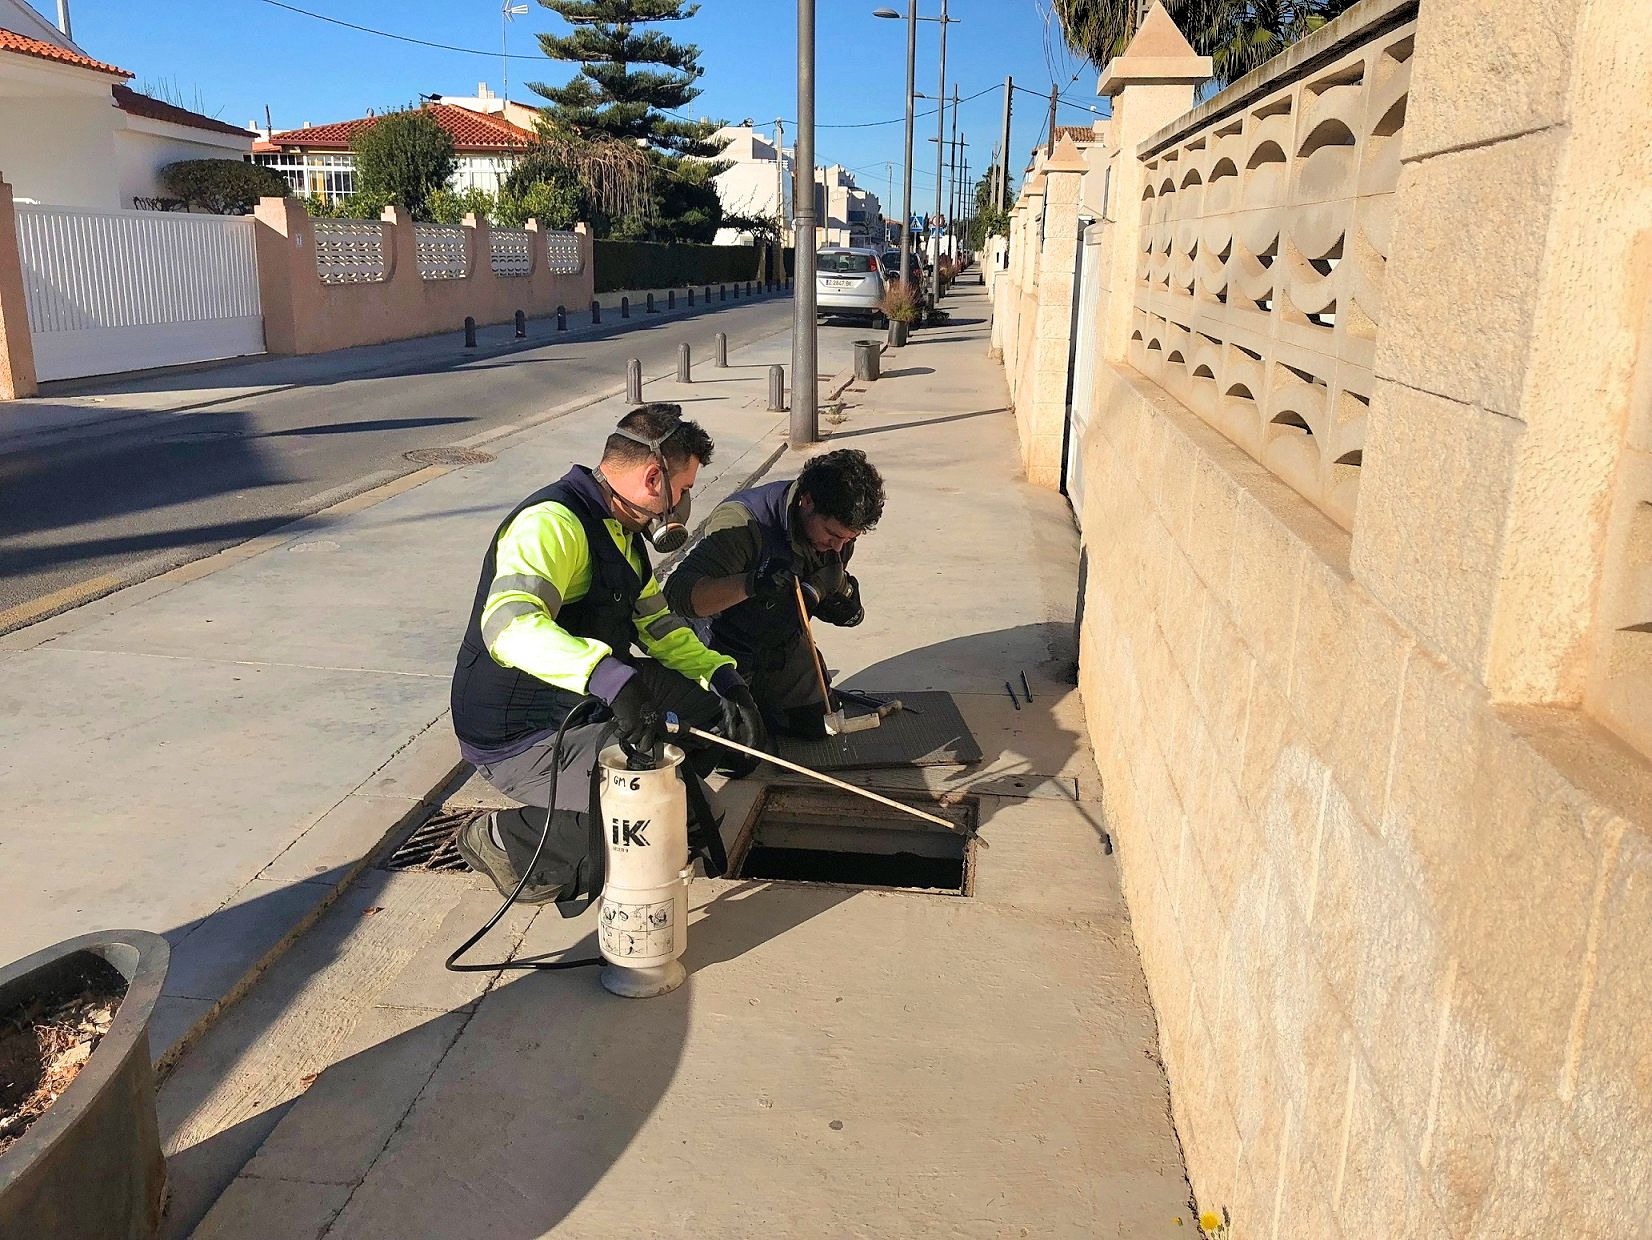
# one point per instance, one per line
(107, 509)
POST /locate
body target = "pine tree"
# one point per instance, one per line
(628, 82)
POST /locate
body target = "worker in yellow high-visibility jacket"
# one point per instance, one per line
(565, 594)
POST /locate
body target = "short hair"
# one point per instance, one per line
(844, 486)
(660, 421)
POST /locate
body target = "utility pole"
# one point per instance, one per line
(906, 189)
(940, 153)
(780, 177)
(952, 196)
(1003, 187)
(1052, 120)
(805, 423)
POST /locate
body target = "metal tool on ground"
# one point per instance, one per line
(673, 726)
(1010, 689)
(836, 724)
(1026, 688)
(883, 706)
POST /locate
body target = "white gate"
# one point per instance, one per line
(125, 290)
(1087, 289)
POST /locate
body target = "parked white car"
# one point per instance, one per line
(849, 283)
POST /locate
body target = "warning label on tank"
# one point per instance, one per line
(635, 929)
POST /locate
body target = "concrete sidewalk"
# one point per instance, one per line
(841, 1061)
(79, 407)
(212, 753)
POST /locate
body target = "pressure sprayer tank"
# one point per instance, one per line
(642, 918)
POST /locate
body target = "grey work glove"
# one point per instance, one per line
(842, 609)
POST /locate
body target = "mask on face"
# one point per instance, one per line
(666, 531)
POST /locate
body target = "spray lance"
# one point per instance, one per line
(641, 855)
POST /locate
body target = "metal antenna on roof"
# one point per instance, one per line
(508, 12)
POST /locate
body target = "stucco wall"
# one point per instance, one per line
(77, 168)
(141, 153)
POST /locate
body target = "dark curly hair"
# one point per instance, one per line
(844, 486)
(679, 437)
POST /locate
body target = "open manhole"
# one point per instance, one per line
(810, 835)
(432, 846)
(447, 456)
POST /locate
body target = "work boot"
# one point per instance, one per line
(476, 846)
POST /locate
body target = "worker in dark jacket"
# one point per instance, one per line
(743, 576)
(565, 594)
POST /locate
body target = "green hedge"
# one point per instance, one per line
(651, 264)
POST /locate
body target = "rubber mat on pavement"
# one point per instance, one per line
(936, 736)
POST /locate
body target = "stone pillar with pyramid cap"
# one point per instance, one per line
(1041, 400)
(1151, 84)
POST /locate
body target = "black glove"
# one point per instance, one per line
(637, 716)
(842, 609)
(742, 721)
(774, 576)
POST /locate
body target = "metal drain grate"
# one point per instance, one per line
(811, 835)
(447, 456)
(432, 846)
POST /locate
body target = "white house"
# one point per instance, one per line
(317, 160)
(72, 133)
(758, 181)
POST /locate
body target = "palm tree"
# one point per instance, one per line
(1238, 35)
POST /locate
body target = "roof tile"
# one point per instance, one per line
(129, 100)
(23, 45)
(471, 131)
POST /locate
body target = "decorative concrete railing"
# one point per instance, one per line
(336, 284)
(350, 251)
(1265, 230)
(440, 252)
(567, 255)
(511, 252)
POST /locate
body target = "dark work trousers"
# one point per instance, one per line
(786, 686)
(527, 778)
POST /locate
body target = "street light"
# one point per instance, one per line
(912, 19)
(906, 184)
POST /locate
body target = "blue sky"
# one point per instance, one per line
(236, 56)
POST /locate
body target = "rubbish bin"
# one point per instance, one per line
(867, 353)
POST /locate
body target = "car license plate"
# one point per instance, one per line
(840, 283)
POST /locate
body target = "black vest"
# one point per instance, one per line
(497, 707)
(763, 625)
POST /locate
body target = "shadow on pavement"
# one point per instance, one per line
(906, 426)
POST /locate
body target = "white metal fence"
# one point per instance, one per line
(440, 252)
(124, 290)
(349, 251)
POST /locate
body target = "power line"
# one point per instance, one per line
(400, 38)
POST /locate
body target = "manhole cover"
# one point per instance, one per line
(431, 846)
(447, 456)
(810, 835)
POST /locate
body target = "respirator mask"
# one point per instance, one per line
(668, 530)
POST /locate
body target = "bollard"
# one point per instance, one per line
(708, 294)
(470, 332)
(596, 311)
(625, 307)
(670, 299)
(649, 308)
(691, 295)
(777, 388)
(748, 288)
(867, 356)
(722, 350)
(562, 318)
(722, 292)
(684, 361)
(521, 325)
(633, 381)
(737, 290)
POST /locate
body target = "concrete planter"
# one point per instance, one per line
(898, 329)
(91, 1168)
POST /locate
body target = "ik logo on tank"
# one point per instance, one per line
(629, 834)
